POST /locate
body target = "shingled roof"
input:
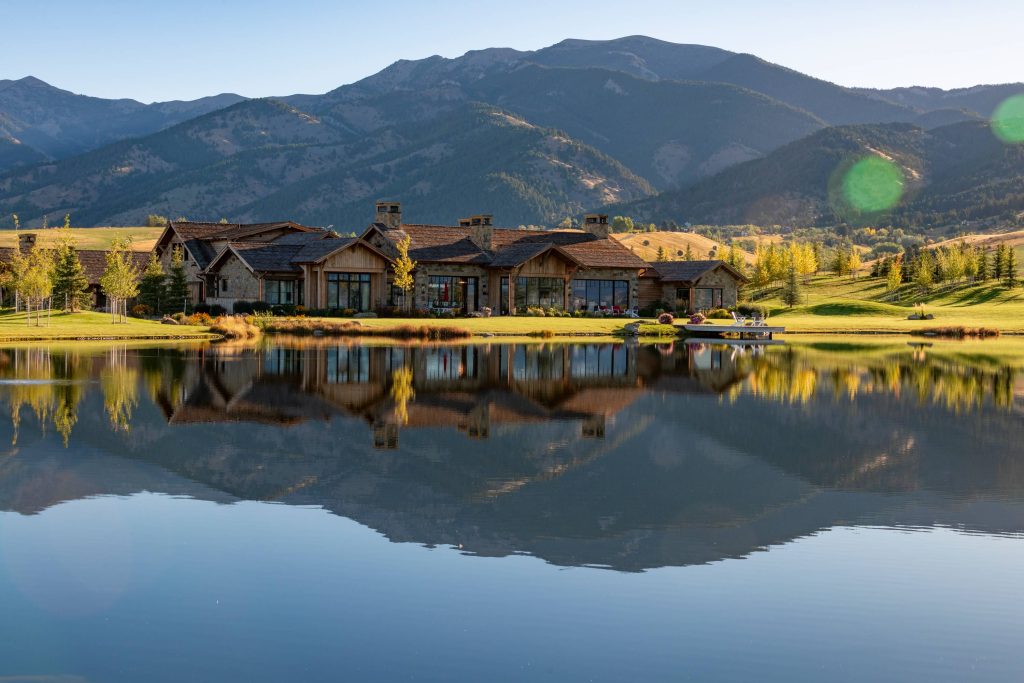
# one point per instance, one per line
(451, 244)
(287, 255)
(197, 236)
(688, 271)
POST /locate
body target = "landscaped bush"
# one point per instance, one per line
(141, 311)
(752, 309)
(202, 319)
(217, 310)
(718, 313)
(242, 307)
(179, 317)
(666, 319)
(654, 310)
(697, 319)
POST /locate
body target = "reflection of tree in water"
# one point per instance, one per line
(795, 377)
(402, 392)
(119, 384)
(31, 371)
(72, 373)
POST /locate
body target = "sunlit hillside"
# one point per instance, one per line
(646, 244)
(142, 238)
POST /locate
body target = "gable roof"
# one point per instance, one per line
(689, 271)
(287, 256)
(198, 236)
(451, 244)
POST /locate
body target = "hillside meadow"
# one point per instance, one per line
(143, 238)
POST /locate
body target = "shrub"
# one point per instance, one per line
(202, 319)
(241, 307)
(752, 309)
(141, 311)
(545, 334)
(666, 319)
(202, 307)
(718, 313)
(697, 319)
(179, 317)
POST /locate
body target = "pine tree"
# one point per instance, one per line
(153, 287)
(688, 254)
(1011, 268)
(999, 270)
(984, 269)
(661, 254)
(792, 292)
(177, 283)
(70, 286)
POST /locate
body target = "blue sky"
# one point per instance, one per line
(190, 48)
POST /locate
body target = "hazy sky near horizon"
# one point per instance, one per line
(190, 48)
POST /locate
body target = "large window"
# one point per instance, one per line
(282, 291)
(706, 297)
(534, 292)
(452, 291)
(600, 295)
(348, 290)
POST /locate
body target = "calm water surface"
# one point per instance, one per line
(327, 512)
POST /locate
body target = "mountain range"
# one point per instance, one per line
(640, 125)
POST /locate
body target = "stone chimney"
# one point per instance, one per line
(597, 225)
(389, 214)
(481, 230)
(26, 240)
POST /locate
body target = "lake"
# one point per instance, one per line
(828, 509)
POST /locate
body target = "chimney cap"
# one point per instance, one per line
(591, 218)
(384, 206)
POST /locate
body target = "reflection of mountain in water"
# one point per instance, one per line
(617, 455)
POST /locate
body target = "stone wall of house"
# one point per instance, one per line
(720, 277)
(243, 285)
(421, 278)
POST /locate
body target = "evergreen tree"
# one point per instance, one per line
(999, 270)
(153, 287)
(1011, 268)
(661, 254)
(792, 292)
(177, 283)
(688, 254)
(70, 286)
(984, 268)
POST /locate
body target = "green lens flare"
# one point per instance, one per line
(873, 184)
(1008, 120)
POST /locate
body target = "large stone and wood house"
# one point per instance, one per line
(461, 269)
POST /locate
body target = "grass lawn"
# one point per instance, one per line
(143, 239)
(842, 305)
(68, 326)
(507, 325)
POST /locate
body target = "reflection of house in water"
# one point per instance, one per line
(472, 388)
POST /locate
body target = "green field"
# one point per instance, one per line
(143, 239)
(73, 326)
(842, 305)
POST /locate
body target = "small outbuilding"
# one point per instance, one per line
(690, 286)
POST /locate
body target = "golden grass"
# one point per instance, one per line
(235, 327)
(143, 239)
(674, 244)
(90, 325)
(354, 328)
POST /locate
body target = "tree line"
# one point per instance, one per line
(41, 279)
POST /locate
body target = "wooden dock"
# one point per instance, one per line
(737, 331)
